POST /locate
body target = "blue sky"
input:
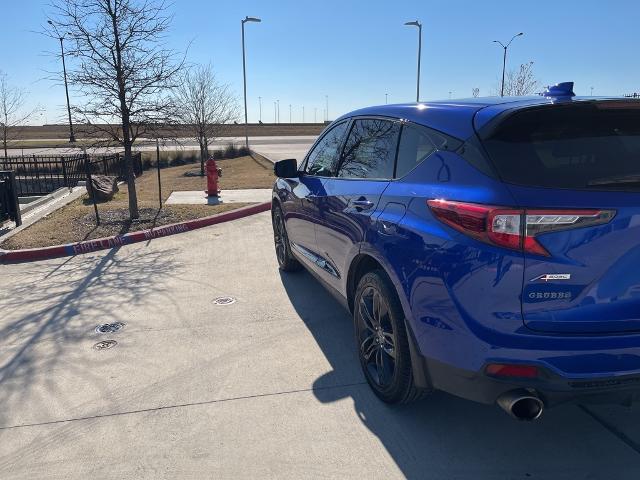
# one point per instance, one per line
(356, 51)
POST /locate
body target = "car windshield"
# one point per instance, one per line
(591, 145)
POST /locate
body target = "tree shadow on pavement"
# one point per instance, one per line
(49, 310)
(446, 437)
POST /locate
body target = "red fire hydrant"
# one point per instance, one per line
(213, 173)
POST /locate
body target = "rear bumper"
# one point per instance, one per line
(552, 388)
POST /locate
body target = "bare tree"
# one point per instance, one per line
(122, 69)
(204, 105)
(12, 113)
(521, 82)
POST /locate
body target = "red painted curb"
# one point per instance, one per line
(70, 249)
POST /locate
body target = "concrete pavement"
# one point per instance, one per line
(267, 387)
(199, 197)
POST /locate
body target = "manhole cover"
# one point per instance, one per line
(109, 327)
(103, 345)
(224, 300)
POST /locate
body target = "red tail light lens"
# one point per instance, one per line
(507, 370)
(515, 229)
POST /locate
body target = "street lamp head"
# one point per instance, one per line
(49, 22)
(251, 19)
(521, 33)
(415, 23)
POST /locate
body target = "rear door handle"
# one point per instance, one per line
(362, 204)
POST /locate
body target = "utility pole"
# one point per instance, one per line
(260, 107)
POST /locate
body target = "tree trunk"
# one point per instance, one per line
(126, 121)
(131, 182)
(202, 160)
(128, 162)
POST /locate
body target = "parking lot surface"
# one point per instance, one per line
(265, 387)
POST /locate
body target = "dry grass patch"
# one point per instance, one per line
(76, 222)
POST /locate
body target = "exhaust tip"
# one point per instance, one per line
(521, 405)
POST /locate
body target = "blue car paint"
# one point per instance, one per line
(469, 303)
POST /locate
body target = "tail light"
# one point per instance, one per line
(509, 370)
(515, 229)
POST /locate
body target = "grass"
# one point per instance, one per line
(76, 222)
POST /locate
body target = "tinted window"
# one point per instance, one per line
(569, 146)
(370, 149)
(442, 141)
(415, 146)
(322, 159)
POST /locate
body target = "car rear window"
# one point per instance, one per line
(595, 145)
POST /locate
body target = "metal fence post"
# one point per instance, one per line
(65, 178)
(158, 167)
(87, 166)
(9, 197)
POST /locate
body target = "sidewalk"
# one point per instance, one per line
(199, 197)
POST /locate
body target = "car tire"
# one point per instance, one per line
(286, 261)
(381, 340)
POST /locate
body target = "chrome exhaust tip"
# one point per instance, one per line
(521, 404)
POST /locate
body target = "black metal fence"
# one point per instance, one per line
(9, 206)
(43, 174)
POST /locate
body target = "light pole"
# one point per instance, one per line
(244, 79)
(302, 113)
(592, 91)
(416, 23)
(504, 58)
(315, 112)
(72, 137)
(260, 108)
(290, 113)
(326, 99)
(278, 110)
(386, 98)
(275, 113)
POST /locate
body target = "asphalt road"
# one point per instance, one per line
(273, 144)
(267, 387)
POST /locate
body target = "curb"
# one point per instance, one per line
(116, 241)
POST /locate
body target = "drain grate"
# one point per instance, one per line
(224, 300)
(103, 345)
(110, 327)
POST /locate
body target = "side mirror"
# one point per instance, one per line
(286, 168)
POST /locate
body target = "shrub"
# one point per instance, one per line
(230, 151)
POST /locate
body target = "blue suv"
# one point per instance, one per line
(489, 248)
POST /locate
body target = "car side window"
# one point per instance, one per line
(415, 146)
(324, 156)
(370, 149)
(417, 143)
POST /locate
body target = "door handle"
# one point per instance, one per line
(362, 204)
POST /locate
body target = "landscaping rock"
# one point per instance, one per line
(104, 187)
